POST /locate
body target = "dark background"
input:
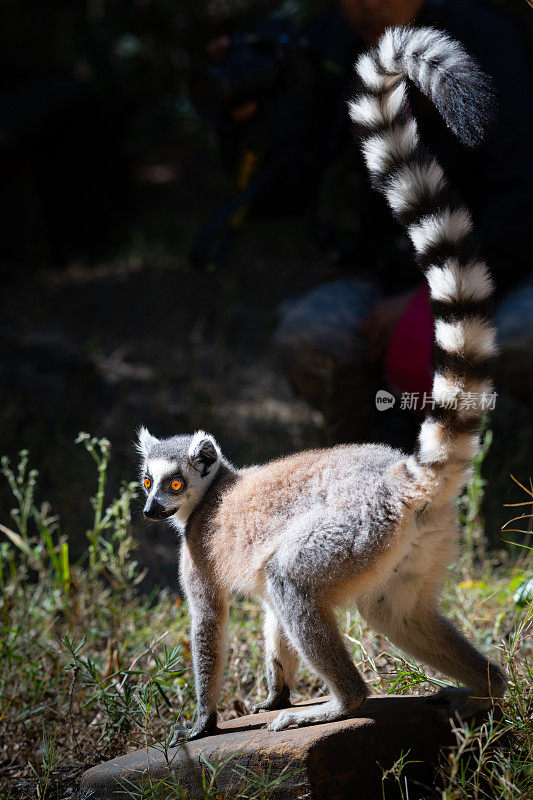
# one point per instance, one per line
(106, 175)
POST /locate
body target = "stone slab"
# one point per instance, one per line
(332, 761)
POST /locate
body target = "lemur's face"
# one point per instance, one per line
(175, 473)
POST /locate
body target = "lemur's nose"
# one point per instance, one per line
(154, 510)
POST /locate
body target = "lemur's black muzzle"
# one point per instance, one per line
(155, 511)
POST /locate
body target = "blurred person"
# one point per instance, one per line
(372, 328)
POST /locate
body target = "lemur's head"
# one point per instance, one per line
(175, 473)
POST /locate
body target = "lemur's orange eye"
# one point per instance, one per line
(147, 483)
(176, 485)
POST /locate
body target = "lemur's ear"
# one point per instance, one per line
(204, 453)
(145, 441)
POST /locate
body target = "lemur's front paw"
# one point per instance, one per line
(182, 733)
(274, 701)
(178, 733)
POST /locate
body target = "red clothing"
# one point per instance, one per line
(409, 356)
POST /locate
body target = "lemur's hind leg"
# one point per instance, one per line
(428, 636)
(314, 632)
(281, 661)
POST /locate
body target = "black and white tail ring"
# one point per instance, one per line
(439, 225)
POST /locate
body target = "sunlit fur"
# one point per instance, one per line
(440, 227)
(361, 524)
(180, 454)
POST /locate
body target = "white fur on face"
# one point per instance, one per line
(196, 485)
(160, 468)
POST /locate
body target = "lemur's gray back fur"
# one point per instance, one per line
(440, 227)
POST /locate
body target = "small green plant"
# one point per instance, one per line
(261, 784)
(41, 548)
(524, 591)
(247, 783)
(43, 773)
(124, 697)
(396, 772)
(110, 540)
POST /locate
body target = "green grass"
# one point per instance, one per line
(91, 668)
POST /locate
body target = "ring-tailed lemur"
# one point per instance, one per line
(363, 524)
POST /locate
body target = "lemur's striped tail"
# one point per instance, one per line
(439, 226)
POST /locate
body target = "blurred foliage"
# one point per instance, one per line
(139, 55)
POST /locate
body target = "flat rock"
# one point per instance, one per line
(336, 760)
